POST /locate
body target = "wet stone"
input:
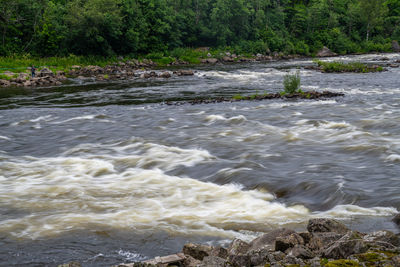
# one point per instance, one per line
(238, 247)
(268, 240)
(326, 225)
(282, 243)
(197, 251)
(212, 261)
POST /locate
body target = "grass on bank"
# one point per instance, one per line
(18, 64)
(336, 66)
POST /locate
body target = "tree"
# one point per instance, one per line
(373, 12)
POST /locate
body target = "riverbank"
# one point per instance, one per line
(15, 72)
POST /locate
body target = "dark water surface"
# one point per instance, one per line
(106, 173)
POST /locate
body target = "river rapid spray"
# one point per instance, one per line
(216, 171)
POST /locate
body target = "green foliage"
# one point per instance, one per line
(291, 83)
(139, 27)
(335, 66)
(238, 97)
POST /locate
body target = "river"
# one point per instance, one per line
(104, 173)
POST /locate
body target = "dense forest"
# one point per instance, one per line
(137, 27)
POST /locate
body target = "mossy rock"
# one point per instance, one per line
(343, 263)
(371, 257)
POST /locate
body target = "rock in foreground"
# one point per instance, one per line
(327, 243)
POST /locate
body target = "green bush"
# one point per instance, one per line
(291, 83)
(347, 67)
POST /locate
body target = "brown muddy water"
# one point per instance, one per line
(104, 173)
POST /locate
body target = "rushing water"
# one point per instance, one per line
(107, 173)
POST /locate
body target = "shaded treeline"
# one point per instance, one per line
(132, 27)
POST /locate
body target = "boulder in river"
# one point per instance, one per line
(326, 52)
(396, 219)
(184, 72)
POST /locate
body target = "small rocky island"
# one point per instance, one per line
(237, 98)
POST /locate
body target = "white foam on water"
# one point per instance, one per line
(393, 158)
(347, 211)
(131, 256)
(301, 103)
(125, 186)
(46, 118)
(4, 138)
(325, 131)
(100, 117)
(235, 119)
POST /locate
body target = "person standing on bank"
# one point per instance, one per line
(33, 71)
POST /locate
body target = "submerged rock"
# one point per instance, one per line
(71, 264)
(396, 219)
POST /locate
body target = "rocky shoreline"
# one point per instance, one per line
(145, 69)
(327, 242)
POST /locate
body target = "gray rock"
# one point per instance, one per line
(238, 246)
(219, 252)
(259, 257)
(46, 72)
(213, 261)
(165, 74)
(319, 241)
(396, 261)
(300, 251)
(27, 83)
(326, 225)
(5, 83)
(239, 260)
(174, 259)
(395, 46)
(351, 243)
(282, 243)
(315, 262)
(228, 59)
(291, 260)
(276, 256)
(212, 60)
(383, 236)
(189, 261)
(184, 73)
(268, 240)
(396, 218)
(326, 52)
(197, 251)
(145, 75)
